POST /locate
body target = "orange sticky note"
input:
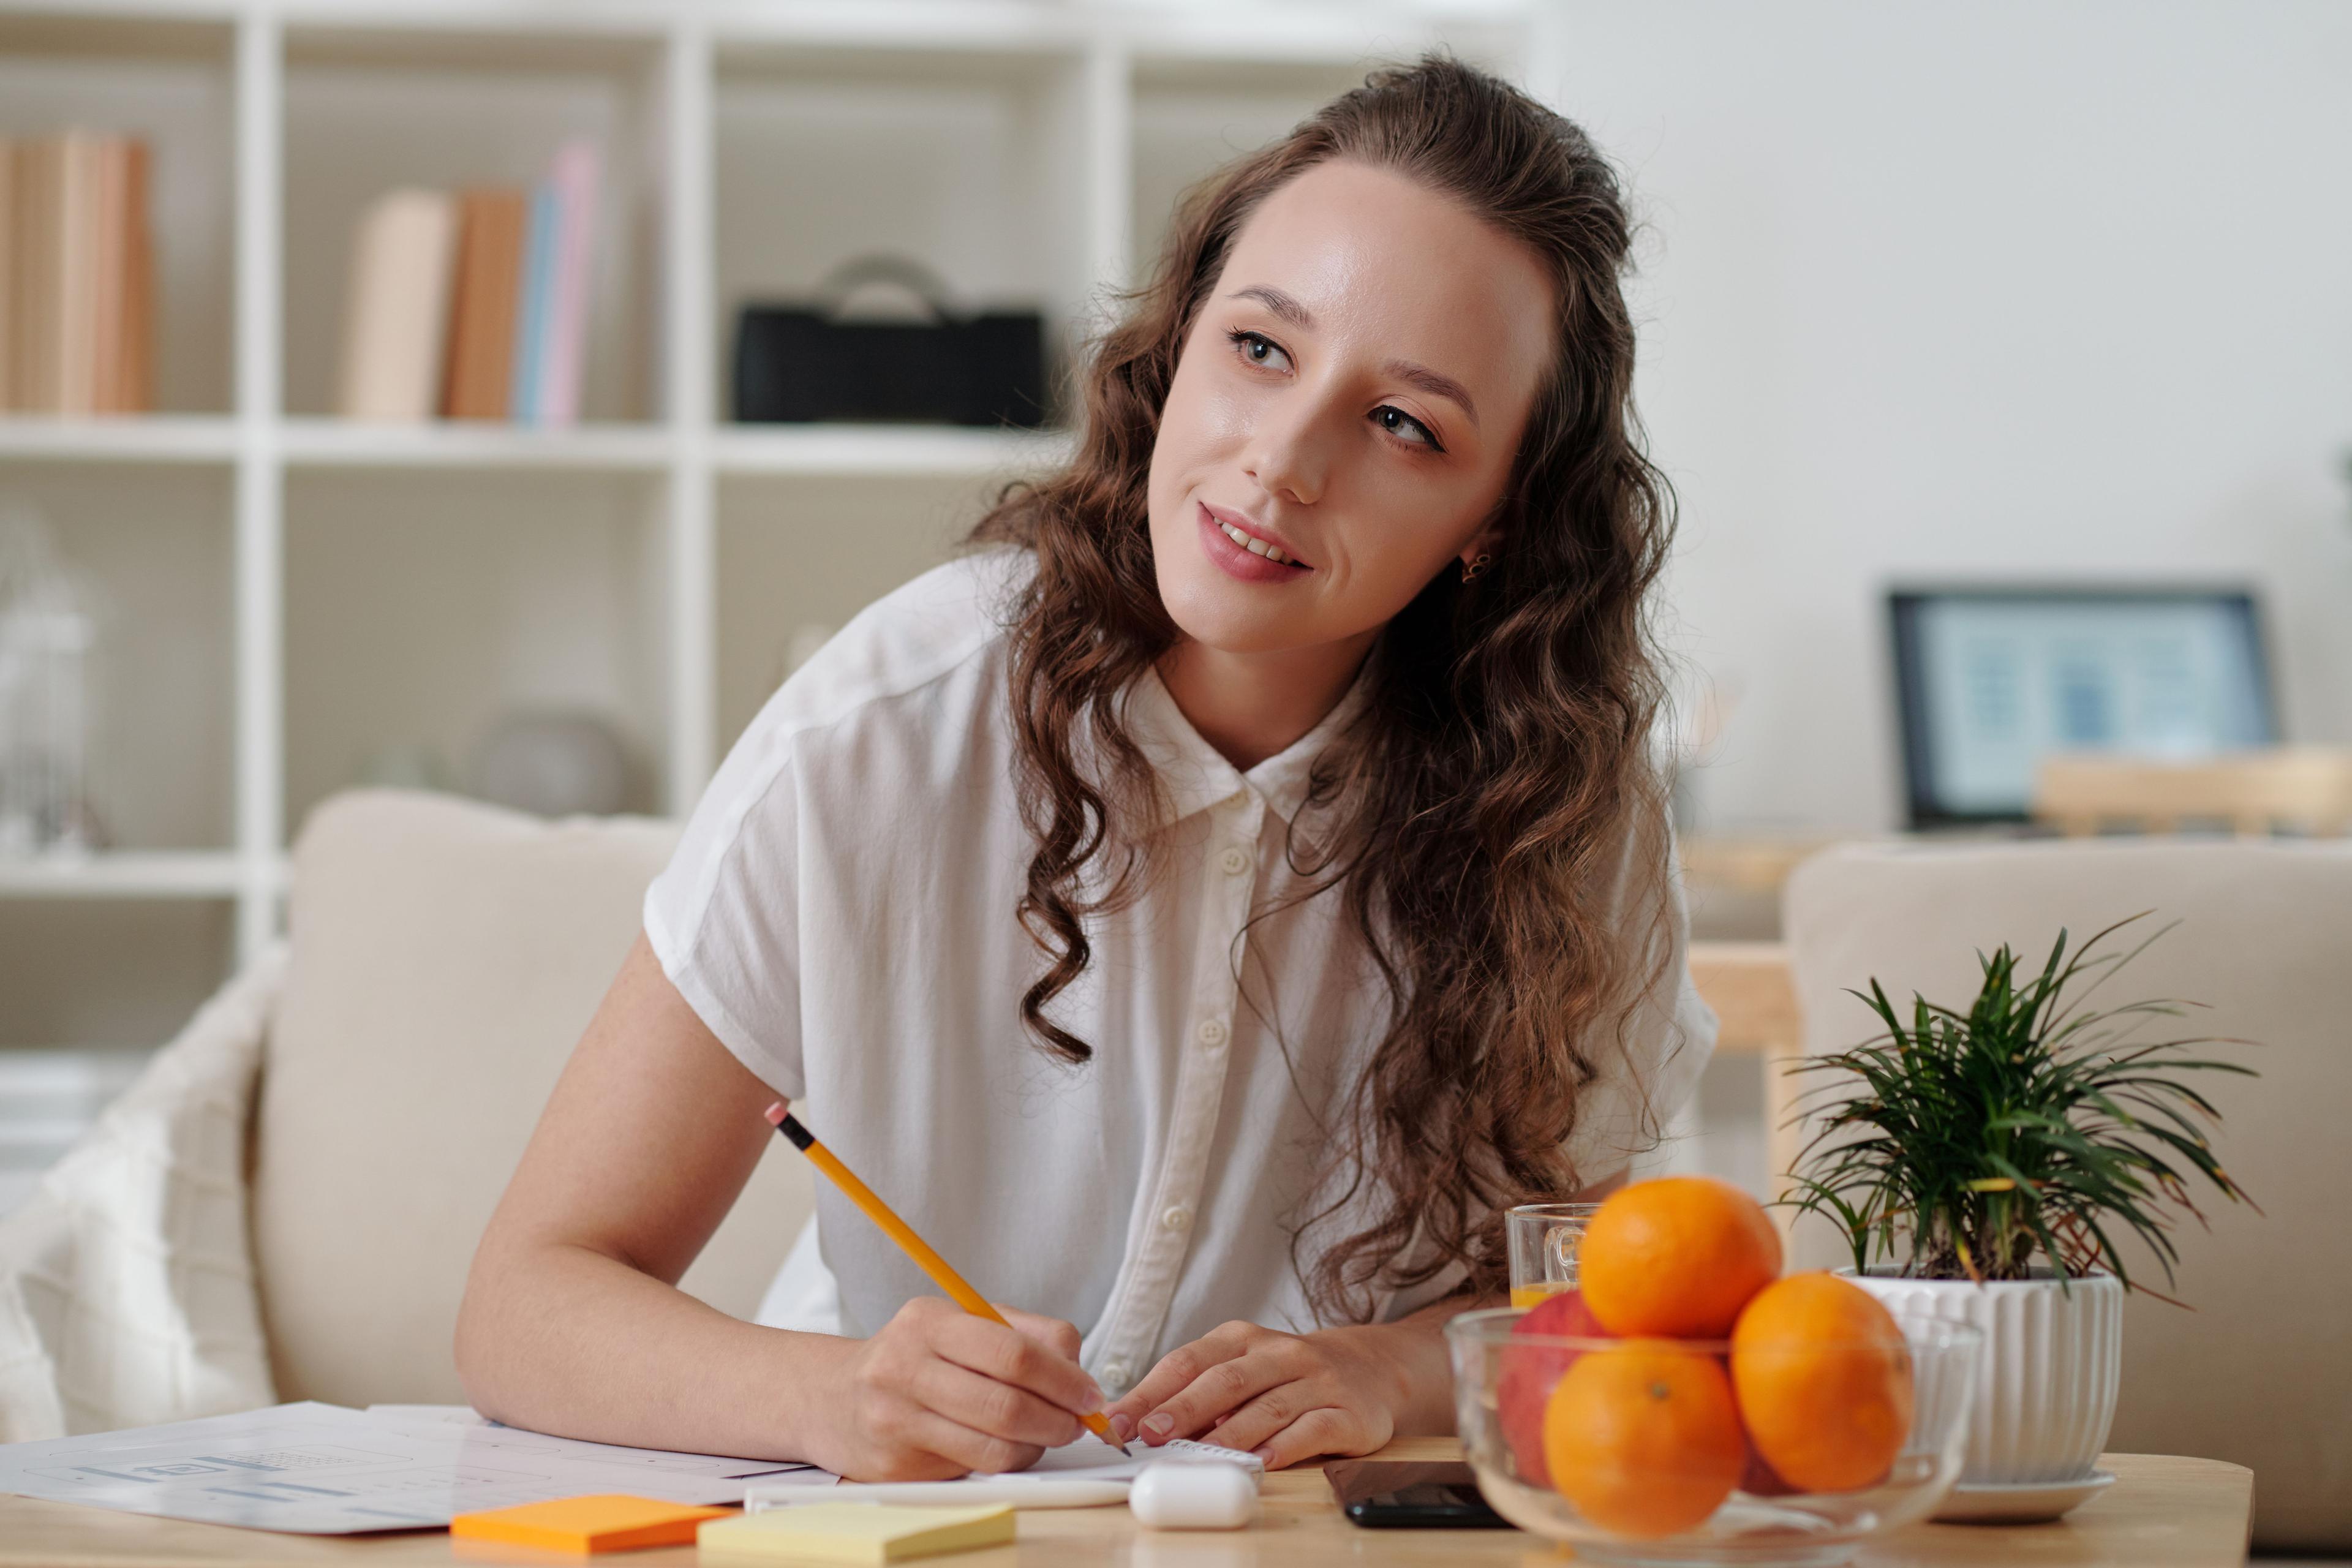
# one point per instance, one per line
(585, 1524)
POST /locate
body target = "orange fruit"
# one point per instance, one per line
(1824, 1382)
(1644, 1437)
(1676, 1258)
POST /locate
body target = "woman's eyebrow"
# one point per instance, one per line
(1437, 383)
(1280, 303)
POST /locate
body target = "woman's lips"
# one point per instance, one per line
(1236, 561)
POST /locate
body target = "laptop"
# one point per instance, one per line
(1991, 679)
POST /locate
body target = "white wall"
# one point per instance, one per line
(1997, 289)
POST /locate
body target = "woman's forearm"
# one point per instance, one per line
(564, 1340)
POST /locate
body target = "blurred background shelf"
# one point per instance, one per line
(326, 443)
(399, 668)
(50, 1096)
(134, 439)
(156, 874)
(878, 451)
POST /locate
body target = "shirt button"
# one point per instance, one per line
(1235, 861)
(1176, 1217)
(1212, 1033)
(1114, 1378)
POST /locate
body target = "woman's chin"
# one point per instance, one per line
(1237, 619)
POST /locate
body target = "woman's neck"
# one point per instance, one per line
(1250, 706)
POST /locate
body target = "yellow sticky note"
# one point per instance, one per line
(853, 1532)
(585, 1524)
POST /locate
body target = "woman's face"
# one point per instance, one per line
(1352, 397)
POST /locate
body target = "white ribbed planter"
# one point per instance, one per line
(2047, 1378)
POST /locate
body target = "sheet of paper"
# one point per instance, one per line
(321, 1469)
(1091, 1458)
(460, 1414)
(492, 1437)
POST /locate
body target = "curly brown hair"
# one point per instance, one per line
(1477, 815)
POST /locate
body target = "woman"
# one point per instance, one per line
(1201, 909)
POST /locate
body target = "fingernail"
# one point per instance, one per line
(1095, 1394)
(1158, 1425)
(1122, 1427)
(1264, 1456)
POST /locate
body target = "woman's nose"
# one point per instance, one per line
(1289, 451)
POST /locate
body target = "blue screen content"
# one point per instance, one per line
(2008, 682)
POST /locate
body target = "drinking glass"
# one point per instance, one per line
(1543, 1239)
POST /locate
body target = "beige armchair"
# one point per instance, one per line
(371, 1090)
(445, 957)
(2260, 1373)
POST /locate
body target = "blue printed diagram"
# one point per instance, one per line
(322, 1469)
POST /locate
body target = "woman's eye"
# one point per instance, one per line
(1404, 427)
(1259, 349)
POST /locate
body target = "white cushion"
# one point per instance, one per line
(446, 956)
(126, 1279)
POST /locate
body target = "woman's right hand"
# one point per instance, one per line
(938, 1392)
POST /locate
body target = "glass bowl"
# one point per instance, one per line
(1661, 1495)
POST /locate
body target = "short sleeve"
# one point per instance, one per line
(1649, 1072)
(723, 917)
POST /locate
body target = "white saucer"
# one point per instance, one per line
(2019, 1502)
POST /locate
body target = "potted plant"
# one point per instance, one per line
(1991, 1160)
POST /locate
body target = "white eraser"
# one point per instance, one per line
(1193, 1494)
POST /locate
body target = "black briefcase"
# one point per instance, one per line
(803, 362)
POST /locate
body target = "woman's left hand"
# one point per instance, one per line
(1285, 1397)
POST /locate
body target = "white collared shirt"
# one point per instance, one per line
(840, 913)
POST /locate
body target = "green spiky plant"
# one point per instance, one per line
(2029, 1124)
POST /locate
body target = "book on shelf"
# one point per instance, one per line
(138, 367)
(530, 304)
(75, 346)
(472, 305)
(77, 276)
(32, 271)
(562, 347)
(397, 307)
(490, 233)
(8, 274)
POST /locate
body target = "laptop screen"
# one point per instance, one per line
(1990, 680)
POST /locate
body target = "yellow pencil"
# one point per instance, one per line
(899, 1231)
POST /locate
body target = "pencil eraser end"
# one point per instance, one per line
(775, 1114)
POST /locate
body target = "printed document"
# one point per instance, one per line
(322, 1469)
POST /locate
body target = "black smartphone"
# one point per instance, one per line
(1404, 1494)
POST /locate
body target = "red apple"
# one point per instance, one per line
(1531, 1372)
(1760, 1479)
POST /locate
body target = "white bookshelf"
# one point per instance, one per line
(132, 874)
(292, 590)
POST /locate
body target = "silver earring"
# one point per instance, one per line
(1475, 564)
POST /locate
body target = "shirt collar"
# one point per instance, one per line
(1193, 775)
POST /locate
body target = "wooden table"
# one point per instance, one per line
(2162, 1513)
(1753, 996)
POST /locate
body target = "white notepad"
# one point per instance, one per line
(1089, 1460)
(1093, 1458)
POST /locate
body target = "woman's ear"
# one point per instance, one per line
(1480, 552)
